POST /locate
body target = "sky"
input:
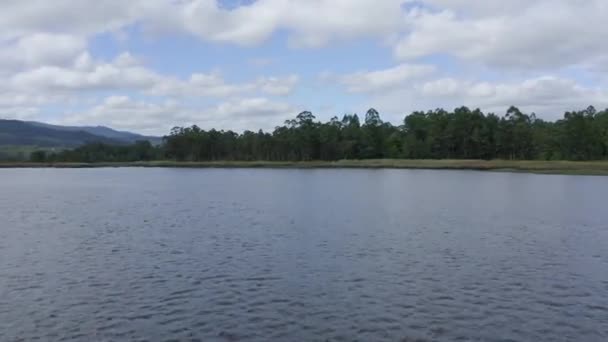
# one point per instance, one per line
(149, 65)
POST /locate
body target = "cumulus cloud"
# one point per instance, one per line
(22, 99)
(373, 81)
(541, 92)
(19, 112)
(256, 22)
(548, 96)
(208, 19)
(214, 85)
(40, 49)
(124, 113)
(86, 75)
(533, 34)
(527, 53)
(69, 84)
(126, 73)
(514, 33)
(158, 118)
(276, 85)
(25, 17)
(17, 105)
(517, 33)
(481, 8)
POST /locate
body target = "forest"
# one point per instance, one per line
(438, 134)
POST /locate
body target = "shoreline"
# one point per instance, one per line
(540, 167)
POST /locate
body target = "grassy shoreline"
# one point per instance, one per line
(545, 167)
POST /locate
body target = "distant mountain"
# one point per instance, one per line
(20, 133)
(102, 131)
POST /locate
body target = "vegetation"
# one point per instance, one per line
(463, 134)
(18, 139)
(17, 153)
(534, 166)
(438, 134)
(100, 152)
(21, 133)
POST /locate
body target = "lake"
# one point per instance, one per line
(302, 255)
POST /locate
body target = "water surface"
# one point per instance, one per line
(301, 255)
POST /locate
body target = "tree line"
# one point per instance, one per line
(438, 134)
(102, 152)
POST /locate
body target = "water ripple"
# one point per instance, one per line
(258, 255)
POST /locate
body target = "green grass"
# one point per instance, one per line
(545, 167)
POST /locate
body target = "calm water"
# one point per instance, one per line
(302, 255)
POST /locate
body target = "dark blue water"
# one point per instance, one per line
(302, 255)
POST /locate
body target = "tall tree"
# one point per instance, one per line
(460, 134)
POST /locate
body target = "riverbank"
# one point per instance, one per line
(547, 167)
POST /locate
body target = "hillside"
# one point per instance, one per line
(20, 133)
(126, 137)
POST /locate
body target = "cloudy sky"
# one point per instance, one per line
(148, 65)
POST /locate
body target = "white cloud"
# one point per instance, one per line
(214, 85)
(537, 35)
(44, 58)
(542, 92)
(548, 96)
(256, 22)
(277, 86)
(26, 93)
(480, 8)
(122, 112)
(86, 75)
(252, 107)
(515, 33)
(22, 99)
(207, 19)
(20, 106)
(372, 81)
(126, 73)
(19, 112)
(199, 84)
(250, 113)
(519, 33)
(24, 17)
(40, 49)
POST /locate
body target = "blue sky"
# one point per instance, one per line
(148, 65)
